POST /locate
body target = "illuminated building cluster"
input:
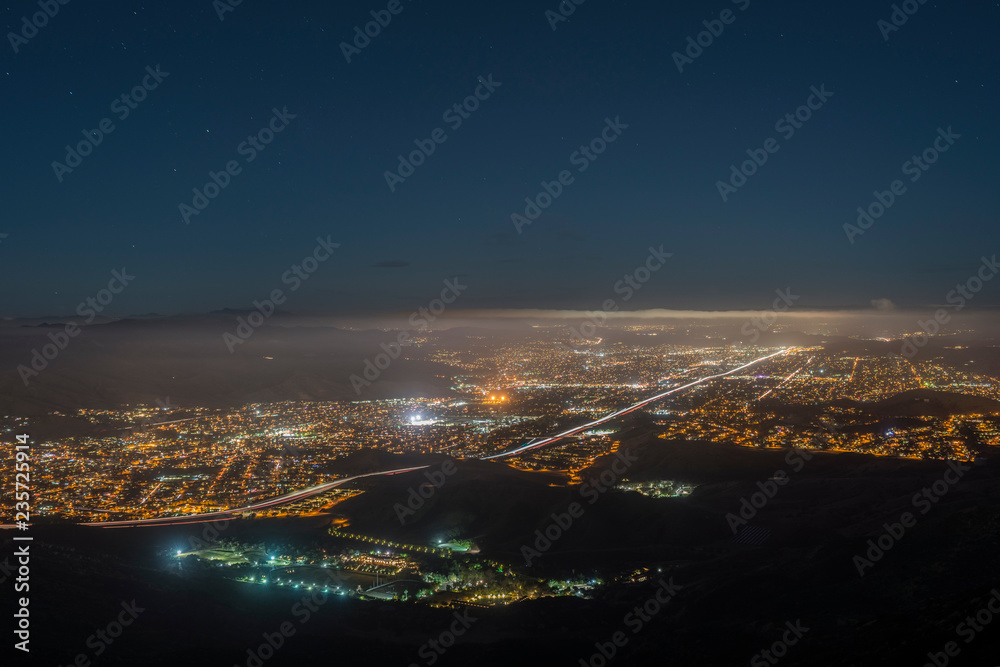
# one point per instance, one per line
(141, 461)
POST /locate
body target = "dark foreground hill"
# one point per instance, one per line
(801, 566)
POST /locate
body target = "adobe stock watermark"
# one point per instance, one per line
(968, 629)
(749, 507)
(418, 497)
(900, 15)
(223, 7)
(209, 535)
(294, 277)
(418, 321)
(454, 116)
(923, 501)
(88, 310)
(302, 611)
(37, 21)
(635, 620)
(915, 167)
(432, 650)
(165, 405)
(565, 9)
(779, 649)
(757, 325)
(249, 149)
(627, 287)
(106, 636)
(591, 491)
(787, 125)
(713, 30)
(581, 158)
(958, 298)
(362, 38)
(122, 106)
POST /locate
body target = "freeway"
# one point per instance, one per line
(320, 488)
(228, 514)
(535, 444)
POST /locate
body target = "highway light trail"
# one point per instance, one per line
(534, 444)
(321, 488)
(279, 500)
(786, 380)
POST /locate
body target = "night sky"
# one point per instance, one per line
(323, 174)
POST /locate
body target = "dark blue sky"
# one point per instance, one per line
(324, 174)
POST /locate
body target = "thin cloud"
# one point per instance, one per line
(883, 305)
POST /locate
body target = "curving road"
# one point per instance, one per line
(228, 514)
